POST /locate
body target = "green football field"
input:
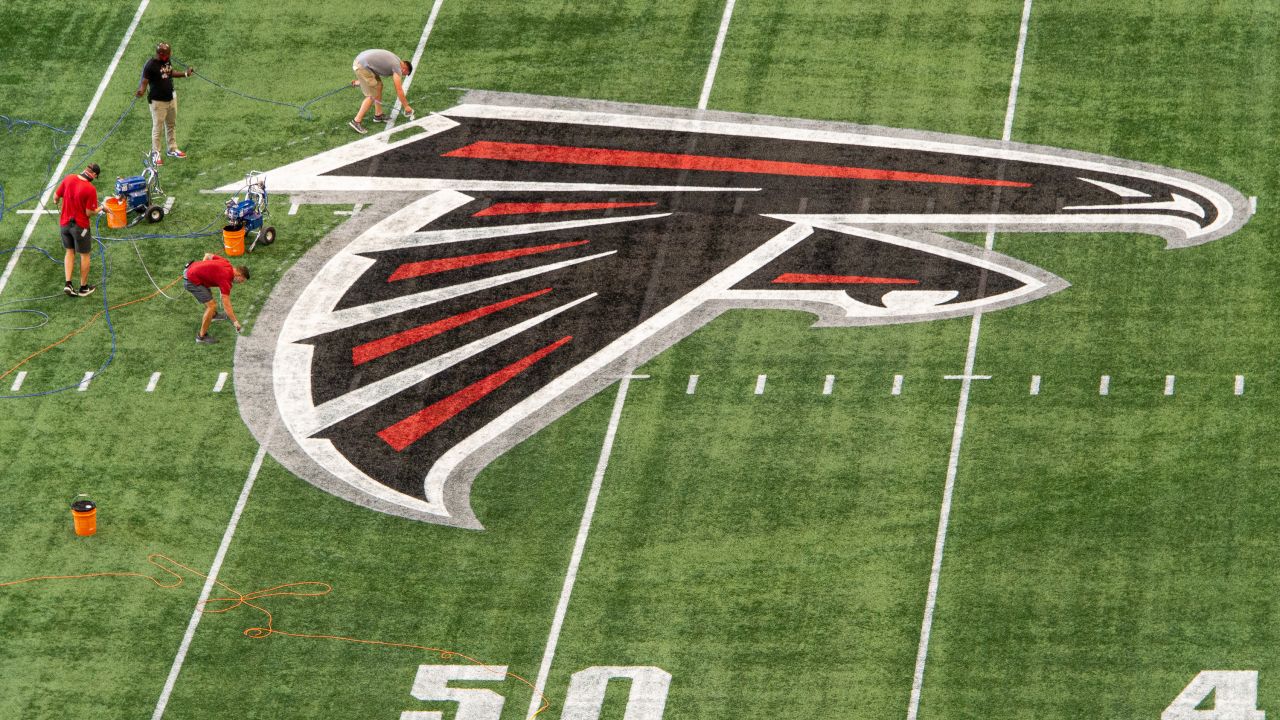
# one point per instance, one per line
(1059, 510)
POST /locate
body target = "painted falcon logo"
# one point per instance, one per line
(514, 255)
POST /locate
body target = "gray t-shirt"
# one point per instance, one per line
(382, 63)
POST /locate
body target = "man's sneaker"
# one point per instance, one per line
(70, 291)
(206, 339)
(86, 290)
(379, 118)
(176, 153)
(357, 127)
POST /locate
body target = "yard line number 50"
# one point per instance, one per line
(583, 701)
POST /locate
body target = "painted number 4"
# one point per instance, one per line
(1234, 697)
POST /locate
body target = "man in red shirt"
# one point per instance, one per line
(214, 271)
(81, 199)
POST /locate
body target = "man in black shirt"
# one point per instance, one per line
(158, 75)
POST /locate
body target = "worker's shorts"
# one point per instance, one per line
(76, 238)
(370, 84)
(202, 293)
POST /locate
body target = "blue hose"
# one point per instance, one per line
(11, 123)
(304, 110)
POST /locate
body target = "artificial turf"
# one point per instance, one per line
(771, 552)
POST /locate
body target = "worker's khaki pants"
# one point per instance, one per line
(164, 115)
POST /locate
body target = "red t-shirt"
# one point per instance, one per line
(79, 198)
(212, 273)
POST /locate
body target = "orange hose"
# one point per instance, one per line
(150, 558)
(285, 590)
(83, 327)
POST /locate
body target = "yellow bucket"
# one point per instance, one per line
(233, 240)
(117, 212)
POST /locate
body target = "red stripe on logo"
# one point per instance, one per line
(411, 429)
(487, 150)
(510, 208)
(797, 278)
(427, 267)
(375, 349)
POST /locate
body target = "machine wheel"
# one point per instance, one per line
(268, 236)
(155, 214)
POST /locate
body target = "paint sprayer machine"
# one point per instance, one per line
(247, 211)
(136, 195)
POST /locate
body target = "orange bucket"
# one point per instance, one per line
(84, 514)
(233, 240)
(117, 212)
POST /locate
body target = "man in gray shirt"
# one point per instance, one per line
(370, 67)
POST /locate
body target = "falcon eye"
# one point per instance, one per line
(914, 301)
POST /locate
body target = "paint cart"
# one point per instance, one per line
(248, 211)
(136, 196)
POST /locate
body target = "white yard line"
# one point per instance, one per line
(417, 57)
(22, 375)
(828, 384)
(760, 381)
(222, 381)
(957, 434)
(1104, 385)
(944, 519)
(897, 385)
(71, 146)
(151, 384)
(208, 584)
(84, 382)
(689, 390)
(579, 545)
(1035, 384)
(1017, 72)
(715, 56)
(580, 542)
(1168, 384)
(1239, 385)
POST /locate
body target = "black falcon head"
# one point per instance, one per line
(514, 255)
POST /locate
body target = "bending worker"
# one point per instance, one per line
(370, 67)
(201, 277)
